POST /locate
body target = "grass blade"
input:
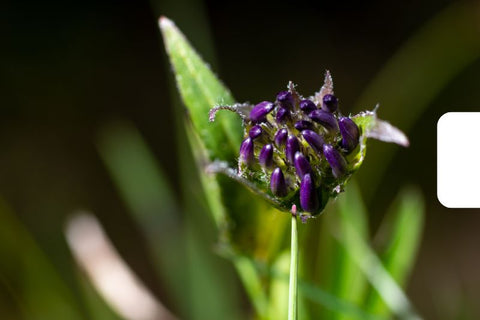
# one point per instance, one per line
(201, 90)
(146, 192)
(29, 276)
(371, 265)
(400, 234)
(347, 280)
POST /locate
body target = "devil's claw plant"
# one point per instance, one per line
(301, 150)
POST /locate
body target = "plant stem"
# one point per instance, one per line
(292, 290)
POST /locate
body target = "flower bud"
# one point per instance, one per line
(265, 158)
(255, 131)
(302, 165)
(324, 118)
(308, 196)
(285, 100)
(314, 140)
(277, 183)
(307, 106)
(282, 115)
(280, 137)
(350, 133)
(303, 125)
(246, 152)
(260, 111)
(330, 103)
(335, 160)
(291, 148)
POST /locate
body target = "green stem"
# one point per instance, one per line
(292, 290)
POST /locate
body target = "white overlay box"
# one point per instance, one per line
(458, 160)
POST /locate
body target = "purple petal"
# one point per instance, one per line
(291, 148)
(280, 137)
(246, 152)
(335, 160)
(303, 125)
(260, 111)
(266, 156)
(282, 115)
(324, 118)
(308, 196)
(313, 139)
(277, 183)
(330, 103)
(307, 106)
(350, 133)
(285, 99)
(255, 131)
(302, 165)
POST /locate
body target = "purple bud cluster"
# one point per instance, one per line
(298, 145)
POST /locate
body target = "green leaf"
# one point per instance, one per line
(400, 234)
(97, 307)
(348, 281)
(370, 264)
(279, 273)
(278, 306)
(147, 193)
(201, 91)
(29, 275)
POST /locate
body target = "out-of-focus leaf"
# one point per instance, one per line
(148, 194)
(331, 302)
(97, 308)
(400, 234)
(370, 264)
(417, 73)
(347, 281)
(201, 90)
(278, 302)
(26, 271)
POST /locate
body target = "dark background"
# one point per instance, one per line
(70, 68)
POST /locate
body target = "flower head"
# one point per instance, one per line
(301, 150)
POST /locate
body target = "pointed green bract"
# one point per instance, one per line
(201, 90)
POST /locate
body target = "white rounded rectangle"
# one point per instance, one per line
(458, 160)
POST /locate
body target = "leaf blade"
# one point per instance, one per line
(201, 90)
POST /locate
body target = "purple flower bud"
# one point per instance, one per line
(291, 148)
(266, 156)
(330, 103)
(255, 131)
(246, 152)
(313, 139)
(350, 133)
(308, 196)
(277, 183)
(303, 125)
(260, 111)
(335, 160)
(302, 165)
(326, 119)
(282, 115)
(280, 137)
(307, 106)
(285, 99)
